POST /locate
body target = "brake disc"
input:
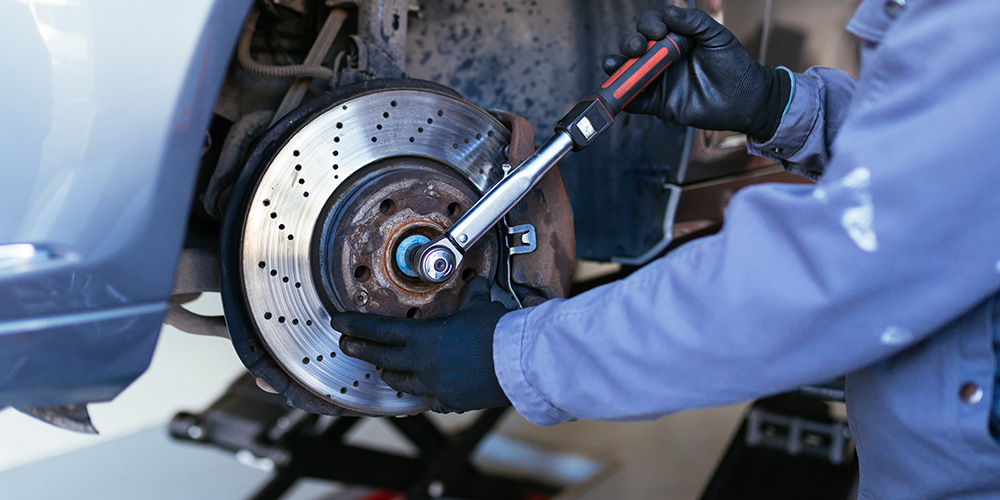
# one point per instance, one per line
(328, 203)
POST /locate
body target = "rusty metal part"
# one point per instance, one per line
(380, 45)
(548, 271)
(402, 197)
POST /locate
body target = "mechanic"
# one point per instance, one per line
(887, 269)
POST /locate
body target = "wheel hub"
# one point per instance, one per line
(399, 204)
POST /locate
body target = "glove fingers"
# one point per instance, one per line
(434, 405)
(698, 25)
(612, 62)
(476, 291)
(645, 103)
(651, 25)
(405, 382)
(388, 357)
(382, 329)
(632, 45)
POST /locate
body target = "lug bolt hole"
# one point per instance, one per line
(413, 313)
(362, 273)
(387, 207)
(454, 209)
(468, 274)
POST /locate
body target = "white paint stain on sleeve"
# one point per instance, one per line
(896, 335)
(858, 219)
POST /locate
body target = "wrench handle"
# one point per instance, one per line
(596, 113)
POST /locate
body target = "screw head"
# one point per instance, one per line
(971, 393)
(361, 298)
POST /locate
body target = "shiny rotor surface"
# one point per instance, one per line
(289, 199)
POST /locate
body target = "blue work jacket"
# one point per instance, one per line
(887, 270)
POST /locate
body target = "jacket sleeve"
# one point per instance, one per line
(818, 104)
(804, 283)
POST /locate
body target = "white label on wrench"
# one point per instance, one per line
(586, 127)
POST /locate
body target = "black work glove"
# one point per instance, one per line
(718, 86)
(448, 361)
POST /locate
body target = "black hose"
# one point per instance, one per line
(241, 136)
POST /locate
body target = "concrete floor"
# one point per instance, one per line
(670, 458)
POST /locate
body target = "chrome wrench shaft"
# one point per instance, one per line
(436, 261)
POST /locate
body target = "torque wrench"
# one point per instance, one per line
(438, 259)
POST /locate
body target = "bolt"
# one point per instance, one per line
(435, 489)
(195, 432)
(361, 298)
(436, 265)
(281, 458)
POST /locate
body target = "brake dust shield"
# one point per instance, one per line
(330, 198)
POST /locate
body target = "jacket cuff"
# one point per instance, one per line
(509, 340)
(797, 124)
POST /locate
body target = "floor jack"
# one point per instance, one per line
(260, 428)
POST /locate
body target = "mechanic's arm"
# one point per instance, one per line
(804, 283)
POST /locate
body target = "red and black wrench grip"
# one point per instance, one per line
(596, 112)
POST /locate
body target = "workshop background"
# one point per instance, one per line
(669, 458)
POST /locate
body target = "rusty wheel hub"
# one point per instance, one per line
(400, 204)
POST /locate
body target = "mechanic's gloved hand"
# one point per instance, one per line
(718, 86)
(448, 361)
